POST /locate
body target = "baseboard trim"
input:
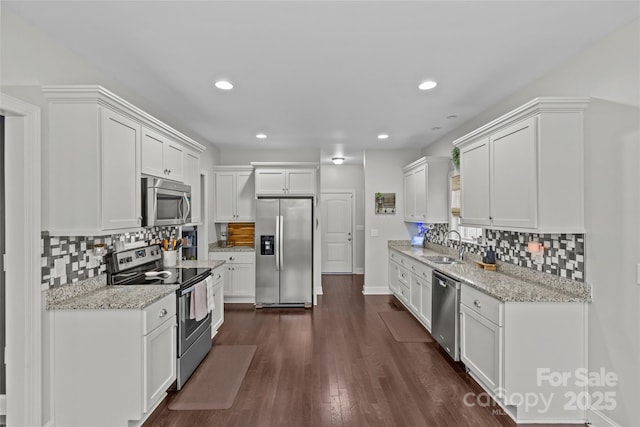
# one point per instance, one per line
(376, 290)
(598, 419)
(3, 404)
(358, 271)
(318, 290)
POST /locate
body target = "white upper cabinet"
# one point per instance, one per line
(426, 190)
(234, 194)
(96, 141)
(192, 178)
(161, 157)
(287, 180)
(524, 170)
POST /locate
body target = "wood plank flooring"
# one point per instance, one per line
(337, 365)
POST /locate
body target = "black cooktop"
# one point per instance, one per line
(178, 276)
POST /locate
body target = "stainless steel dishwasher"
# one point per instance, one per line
(445, 303)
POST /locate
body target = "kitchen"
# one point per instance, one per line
(606, 69)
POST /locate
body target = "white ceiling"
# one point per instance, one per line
(324, 75)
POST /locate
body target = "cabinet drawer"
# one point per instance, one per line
(232, 257)
(483, 304)
(403, 292)
(158, 312)
(403, 277)
(422, 271)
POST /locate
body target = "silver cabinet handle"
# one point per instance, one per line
(230, 258)
(477, 304)
(413, 267)
(163, 312)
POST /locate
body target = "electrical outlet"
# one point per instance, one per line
(538, 257)
(59, 267)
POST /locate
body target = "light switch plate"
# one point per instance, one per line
(374, 232)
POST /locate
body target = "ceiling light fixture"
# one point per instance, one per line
(337, 160)
(428, 84)
(451, 117)
(383, 136)
(261, 136)
(435, 128)
(224, 85)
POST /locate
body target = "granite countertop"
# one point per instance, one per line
(216, 248)
(199, 264)
(506, 288)
(129, 297)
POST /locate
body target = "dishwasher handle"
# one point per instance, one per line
(444, 280)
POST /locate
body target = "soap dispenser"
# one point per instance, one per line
(490, 256)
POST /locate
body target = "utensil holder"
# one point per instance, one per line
(169, 258)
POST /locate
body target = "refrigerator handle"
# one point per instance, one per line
(277, 243)
(281, 249)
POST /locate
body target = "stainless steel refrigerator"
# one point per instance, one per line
(284, 252)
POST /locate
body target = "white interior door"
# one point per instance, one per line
(337, 233)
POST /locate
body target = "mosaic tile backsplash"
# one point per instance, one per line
(563, 253)
(77, 257)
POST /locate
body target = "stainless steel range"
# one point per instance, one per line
(143, 266)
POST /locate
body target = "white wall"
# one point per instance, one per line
(383, 173)
(610, 73)
(348, 177)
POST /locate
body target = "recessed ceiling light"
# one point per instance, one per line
(261, 136)
(337, 160)
(224, 85)
(435, 128)
(383, 136)
(451, 117)
(428, 84)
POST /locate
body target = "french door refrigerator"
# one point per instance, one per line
(284, 252)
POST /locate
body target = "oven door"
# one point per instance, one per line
(189, 330)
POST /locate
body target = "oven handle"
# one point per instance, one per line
(190, 289)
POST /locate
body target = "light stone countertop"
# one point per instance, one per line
(506, 288)
(215, 248)
(126, 297)
(199, 264)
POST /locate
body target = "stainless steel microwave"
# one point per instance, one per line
(165, 202)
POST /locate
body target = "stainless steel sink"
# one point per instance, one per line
(441, 259)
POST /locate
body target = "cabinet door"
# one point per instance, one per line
(173, 161)
(270, 182)
(151, 152)
(301, 182)
(243, 280)
(393, 277)
(228, 281)
(192, 178)
(481, 347)
(217, 315)
(120, 171)
(415, 295)
(474, 183)
(425, 308)
(514, 176)
(409, 196)
(159, 362)
(420, 191)
(245, 196)
(225, 196)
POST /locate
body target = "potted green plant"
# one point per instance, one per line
(379, 200)
(455, 157)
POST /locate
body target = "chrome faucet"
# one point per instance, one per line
(461, 252)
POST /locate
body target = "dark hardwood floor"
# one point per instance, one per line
(338, 365)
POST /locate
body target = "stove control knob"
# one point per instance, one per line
(121, 261)
(129, 259)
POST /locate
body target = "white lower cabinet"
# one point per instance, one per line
(112, 367)
(239, 275)
(217, 314)
(480, 337)
(410, 282)
(516, 350)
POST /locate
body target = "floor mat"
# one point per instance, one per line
(404, 327)
(215, 384)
